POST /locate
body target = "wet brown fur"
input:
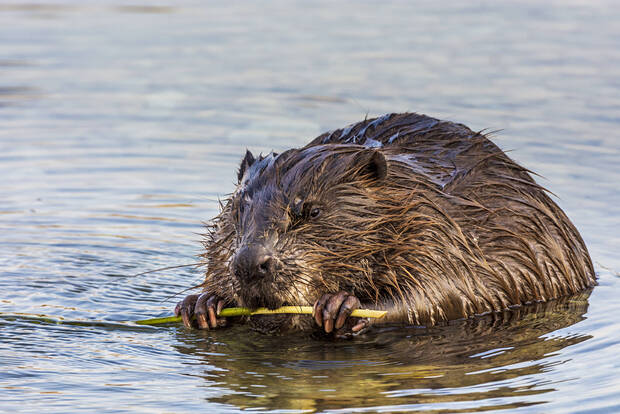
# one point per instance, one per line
(452, 228)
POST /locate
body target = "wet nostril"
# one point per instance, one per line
(253, 261)
(265, 264)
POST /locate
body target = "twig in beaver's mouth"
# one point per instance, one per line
(228, 312)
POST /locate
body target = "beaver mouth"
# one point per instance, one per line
(263, 295)
(271, 303)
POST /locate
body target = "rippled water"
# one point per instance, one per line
(120, 125)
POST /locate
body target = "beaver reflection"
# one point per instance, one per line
(422, 217)
(494, 357)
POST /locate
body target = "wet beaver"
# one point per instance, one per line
(421, 217)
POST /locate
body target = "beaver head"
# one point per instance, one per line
(291, 229)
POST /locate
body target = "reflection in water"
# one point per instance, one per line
(463, 365)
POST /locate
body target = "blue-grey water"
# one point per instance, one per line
(121, 123)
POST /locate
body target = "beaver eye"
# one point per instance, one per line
(315, 212)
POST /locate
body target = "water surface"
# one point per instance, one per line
(121, 125)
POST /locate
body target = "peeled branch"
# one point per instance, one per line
(228, 312)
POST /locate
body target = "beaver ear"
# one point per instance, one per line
(247, 161)
(371, 163)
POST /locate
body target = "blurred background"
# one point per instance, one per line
(121, 123)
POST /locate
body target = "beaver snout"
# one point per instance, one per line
(254, 262)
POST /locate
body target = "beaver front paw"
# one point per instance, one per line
(204, 308)
(333, 311)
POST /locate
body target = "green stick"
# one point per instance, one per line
(227, 312)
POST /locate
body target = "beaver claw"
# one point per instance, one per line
(204, 308)
(333, 311)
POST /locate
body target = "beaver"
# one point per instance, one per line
(406, 213)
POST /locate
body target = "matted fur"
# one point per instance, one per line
(452, 228)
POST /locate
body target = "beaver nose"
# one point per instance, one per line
(254, 261)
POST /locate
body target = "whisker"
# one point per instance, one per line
(182, 291)
(167, 268)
